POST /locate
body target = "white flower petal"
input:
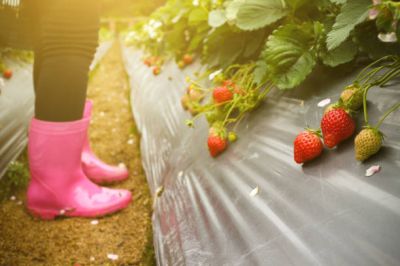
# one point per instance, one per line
(324, 102)
(254, 192)
(214, 74)
(387, 37)
(112, 256)
(372, 170)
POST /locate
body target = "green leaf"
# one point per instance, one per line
(260, 72)
(216, 18)
(256, 14)
(232, 8)
(290, 53)
(352, 13)
(344, 53)
(197, 16)
(338, 2)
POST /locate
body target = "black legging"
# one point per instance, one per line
(66, 43)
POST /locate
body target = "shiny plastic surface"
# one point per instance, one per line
(16, 109)
(323, 213)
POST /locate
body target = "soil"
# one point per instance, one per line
(26, 241)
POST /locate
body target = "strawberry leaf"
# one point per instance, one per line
(216, 18)
(344, 53)
(256, 14)
(352, 13)
(290, 53)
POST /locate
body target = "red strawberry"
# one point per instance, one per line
(216, 144)
(156, 70)
(187, 59)
(307, 146)
(222, 94)
(336, 125)
(7, 73)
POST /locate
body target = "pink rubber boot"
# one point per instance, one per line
(93, 167)
(58, 185)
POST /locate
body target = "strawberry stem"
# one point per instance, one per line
(365, 103)
(362, 75)
(388, 112)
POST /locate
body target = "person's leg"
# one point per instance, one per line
(67, 41)
(58, 184)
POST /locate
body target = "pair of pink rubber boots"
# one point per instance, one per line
(64, 171)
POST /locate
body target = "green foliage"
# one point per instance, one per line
(17, 176)
(291, 53)
(344, 53)
(353, 13)
(256, 14)
(284, 39)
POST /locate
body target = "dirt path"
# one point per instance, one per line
(27, 241)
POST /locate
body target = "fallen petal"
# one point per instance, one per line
(254, 192)
(324, 102)
(372, 170)
(112, 256)
(214, 74)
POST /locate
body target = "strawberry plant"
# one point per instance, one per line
(259, 45)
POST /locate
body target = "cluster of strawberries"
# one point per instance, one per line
(155, 62)
(218, 137)
(337, 125)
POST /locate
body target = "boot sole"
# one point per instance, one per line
(45, 214)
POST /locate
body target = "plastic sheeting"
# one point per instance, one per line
(324, 213)
(16, 108)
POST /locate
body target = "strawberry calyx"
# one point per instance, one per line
(316, 132)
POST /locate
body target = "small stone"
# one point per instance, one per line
(13, 198)
(122, 165)
(180, 174)
(94, 222)
(92, 258)
(19, 202)
(130, 142)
